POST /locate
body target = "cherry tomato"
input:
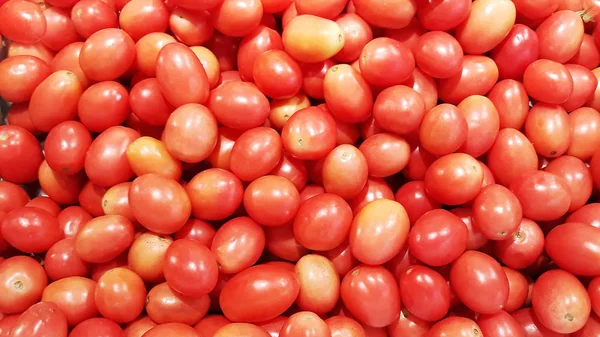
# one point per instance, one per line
(239, 105)
(62, 261)
(385, 62)
(560, 36)
(587, 239)
(146, 256)
(68, 137)
(397, 14)
(97, 327)
(31, 230)
(165, 305)
(305, 323)
(149, 155)
(22, 21)
(443, 130)
(210, 324)
(462, 178)
(238, 244)
(244, 329)
(532, 326)
(511, 156)
(237, 17)
(214, 194)
(90, 242)
(584, 140)
(425, 293)
(255, 153)
(20, 76)
(523, 248)
(191, 27)
(41, 319)
(319, 284)
(22, 280)
(406, 325)
(518, 286)
(91, 16)
(511, 102)
(548, 81)
(499, 324)
(357, 33)
(139, 327)
(277, 75)
(399, 109)
(478, 75)
(115, 47)
(12, 196)
(587, 215)
(443, 15)
(439, 54)
(518, 50)
(544, 196)
(560, 302)
(141, 17)
(75, 298)
(311, 39)
(309, 134)
(350, 109)
(190, 260)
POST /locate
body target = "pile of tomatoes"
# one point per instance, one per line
(300, 168)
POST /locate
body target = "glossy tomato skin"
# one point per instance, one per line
(519, 287)
(456, 169)
(475, 276)
(578, 177)
(111, 97)
(499, 324)
(425, 293)
(511, 102)
(91, 240)
(443, 130)
(97, 327)
(498, 16)
(511, 156)
(232, 100)
(277, 75)
(115, 47)
(391, 55)
(444, 15)
(253, 45)
(210, 324)
(146, 256)
(31, 229)
(214, 194)
(547, 127)
(106, 161)
(75, 298)
(560, 301)
(22, 280)
(477, 76)
(438, 237)
(439, 54)
(256, 153)
(324, 37)
(159, 203)
(12, 196)
(483, 124)
(194, 261)
(517, 51)
(41, 319)
(548, 81)
(148, 103)
(62, 261)
(532, 326)
(582, 241)
(176, 58)
(238, 244)
(120, 295)
(20, 76)
(543, 196)
(248, 296)
(16, 14)
(497, 212)
(277, 192)
(386, 14)
(587, 214)
(20, 153)
(164, 305)
(584, 138)
(343, 78)
(310, 134)
(371, 295)
(560, 36)
(70, 138)
(455, 326)
(523, 248)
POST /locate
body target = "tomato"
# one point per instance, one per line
(341, 326)
(271, 200)
(479, 282)
(443, 15)
(293, 170)
(194, 261)
(174, 59)
(248, 296)
(511, 156)
(499, 324)
(109, 96)
(309, 134)
(313, 77)
(147, 49)
(587, 214)
(62, 261)
(90, 242)
(357, 33)
(544, 196)
(523, 248)
(305, 323)
(237, 17)
(45, 203)
(311, 39)
(90, 198)
(518, 286)
(139, 327)
(498, 17)
(71, 219)
(22, 280)
(60, 30)
(478, 75)
(60, 188)
(22, 21)
(511, 102)
(214, 194)
(68, 59)
(243, 329)
(518, 50)
(343, 78)
(385, 62)
(91, 16)
(106, 161)
(38, 50)
(41, 319)
(397, 14)
(112, 45)
(97, 327)
(277, 75)
(31, 230)
(407, 325)
(415, 200)
(159, 203)
(349, 160)
(75, 298)
(12, 196)
(319, 284)
(68, 137)
(232, 100)
(443, 129)
(560, 36)
(238, 244)
(459, 169)
(399, 109)
(439, 54)
(6, 324)
(588, 55)
(120, 295)
(253, 45)
(225, 49)
(594, 293)
(281, 242)
(584, 84)
(148, 103)
(560, 301)
(191, 27)
(590, 328)
(547, 126)
(371, 295)
(20, 76)
(578, 177)
(584, 140)
(18, 114)
(425, 293)
(377, 146)
(582, 241)
(255, 153)
(497, 212)
(146, 256)
(141, 17)
(548, 81)
(164, 305)
(148, 155)
(532, 326)
(482, 124)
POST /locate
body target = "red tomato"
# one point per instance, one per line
(139, 327)
(20, 76)
(511, 156)
(478, 75)
(90, 242)
(114, 47)
(22, 21)
(214, 194)
(250, 295)
(148, 103)
(31, 229)
(237, 17)
(532, 326)
(395, 14)
(454, 179)
(187, 260)
(255, 153)
(191, 27)
(425, 293)
(385, 62)
(62, 261)
(560, 302)
(70, 138)
(55, 100)
(310, 134)
(578, 177)
(482, 125)
(277, 75)
(444, 129)
(112, 98)
(210, 324)
(523, 248)
(239, 105)
(585, 140)
(345, 171)
(516, 52)
(60, 188)
(68, 59)
(60, 30)
(588, 214)
(319, 284)
(20, 154)
(311, 39)
(271, 200)
(252, 46)
(45, 203)
(439, 54)
(357, 33)
(164, 305)
(548, 81)
(12, 196)
(511, 102)
(582, 240)
(243, 329)
(344, 78)
(399, 109)
(499, 324)
(22, 281)
(385, 145)
(106, 161)
(97, 327)
(141, 17)
(41, 319)
(405, 325)
(75, 298)
(544, 196)
(281, 242)
(238, 245)
(560, 36)
(146, 256)
(371, 295)
(479, 282)
(305, 323)
(120, 295)
(547, 127)
(496, 212)
(518, 286)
